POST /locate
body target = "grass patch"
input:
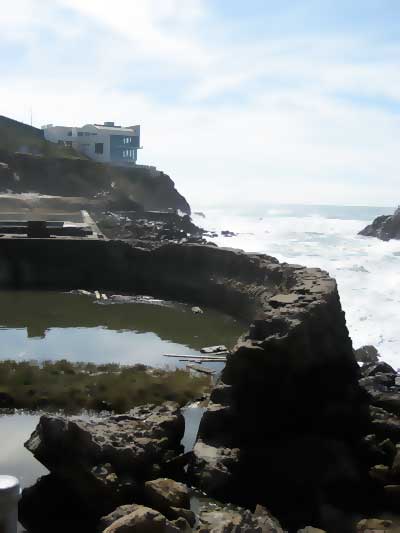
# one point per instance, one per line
(76, 386)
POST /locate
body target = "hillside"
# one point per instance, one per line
(18, 137)
(29, 163)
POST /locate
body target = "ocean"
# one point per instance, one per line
(366, 269)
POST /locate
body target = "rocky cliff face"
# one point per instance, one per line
(385, 227)
(146, 186)
(285, 423)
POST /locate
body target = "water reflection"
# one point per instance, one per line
(51, 325)
(15, 460)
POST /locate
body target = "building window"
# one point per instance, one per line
(69, 134)
(99, 148)
(80, 133)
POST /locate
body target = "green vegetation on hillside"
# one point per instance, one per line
(77, 386)
(18, 137)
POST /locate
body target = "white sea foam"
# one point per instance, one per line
(367, 270)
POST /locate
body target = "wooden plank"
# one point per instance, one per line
(201, 369)
(200, 361)
(196, 357)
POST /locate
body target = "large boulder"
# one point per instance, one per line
(236, 519)
(106, 461)
(169, 497)
(143, 520)
(384, 227)
(367, 525)
(367, 354)
(164, 493)
(119, 512)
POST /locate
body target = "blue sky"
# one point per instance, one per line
(292, 101)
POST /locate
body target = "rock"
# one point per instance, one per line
(382, 388)
(392, 493)
(241, 520)
(289, 389)
(142, 520)
(175, 513)
(373, 524)
(107, 461)
(384, 227)
(162, 494)
(197, 310)
(50, 506)
(367, 354)
(227, 233)
(380, 473)
(119, 512)
(150, 229)
(396, 464)
(371, 369)
(182, 524)
(213, 466)
(388, 448)
(384, 424)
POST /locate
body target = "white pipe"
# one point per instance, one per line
(9, 496)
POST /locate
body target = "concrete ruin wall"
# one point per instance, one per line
(284, 424)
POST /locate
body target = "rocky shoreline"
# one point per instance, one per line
(290, 427)
(295, 436)
(384, 227)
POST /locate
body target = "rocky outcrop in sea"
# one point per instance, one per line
(385, 227)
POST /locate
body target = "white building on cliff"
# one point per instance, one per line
(106, 143)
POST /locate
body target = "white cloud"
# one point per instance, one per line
(268, 120)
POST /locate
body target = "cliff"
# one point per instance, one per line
(29, 163)
(385, 227)
(81, 177)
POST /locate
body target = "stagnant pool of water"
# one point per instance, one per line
(122, 329)
(46, 325)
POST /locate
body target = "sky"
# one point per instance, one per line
(241, 103)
